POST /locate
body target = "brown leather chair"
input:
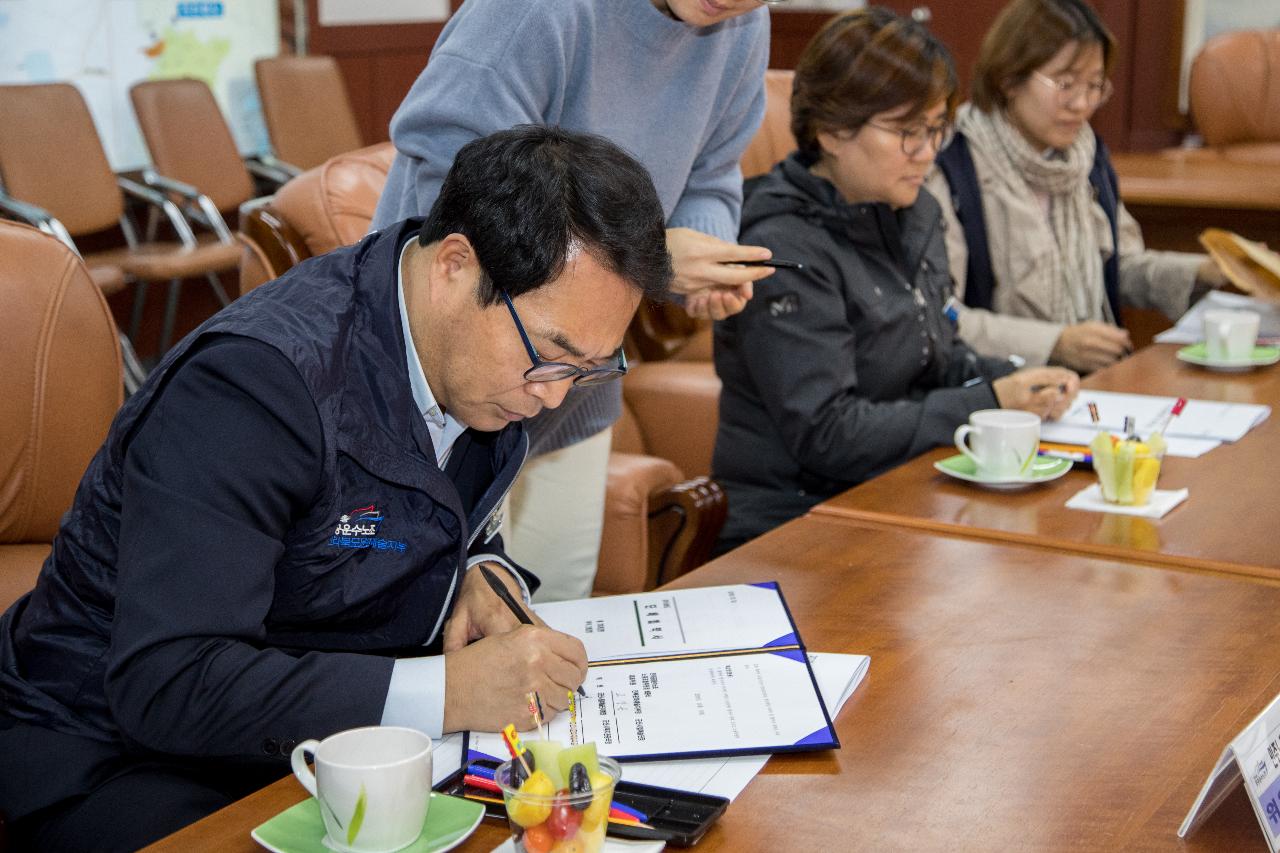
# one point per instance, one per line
(194, 156)
(662, 510)
(662, 332)
(308, 114)
(56, 177)
(62, 362)
(318, 211)
(1235, 96)
(659, 523)
(773, 141)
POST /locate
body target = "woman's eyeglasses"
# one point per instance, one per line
(915, 138)
(1069, 88)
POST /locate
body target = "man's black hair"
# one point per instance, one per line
(525, 196)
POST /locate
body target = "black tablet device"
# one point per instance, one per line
(679, 818)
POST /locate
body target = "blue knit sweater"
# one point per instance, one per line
(683, 100)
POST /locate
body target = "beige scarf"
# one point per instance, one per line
(1068, 285)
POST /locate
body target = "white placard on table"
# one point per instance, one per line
(1253, 755)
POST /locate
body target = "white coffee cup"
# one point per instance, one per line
(1230, 335)
(1001, 442)
(386, 767)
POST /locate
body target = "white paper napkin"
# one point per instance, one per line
(611, 845)
(1157, 507)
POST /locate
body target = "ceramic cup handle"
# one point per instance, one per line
(962, 432)
(300, 768)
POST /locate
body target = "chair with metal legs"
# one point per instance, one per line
(195, 159)
(54, 175)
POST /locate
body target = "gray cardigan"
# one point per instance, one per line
(846, 368)
(682, 100)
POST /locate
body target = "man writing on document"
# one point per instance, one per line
(280, 534)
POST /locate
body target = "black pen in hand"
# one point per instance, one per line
(500, 589)
(776, 263)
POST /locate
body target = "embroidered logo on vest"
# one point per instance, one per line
(786, 303)
(359, 529)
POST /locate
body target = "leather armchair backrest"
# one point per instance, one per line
(308, 114)
(51, 156)
(189, 140)
(1235, 88)
(332, 205)
(61, 354)
(773, 141)
(675, 406)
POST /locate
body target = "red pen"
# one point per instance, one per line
(1174, 411)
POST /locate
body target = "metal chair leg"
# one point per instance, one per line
(134, 373)
(170, 315)
(139, 299)
(218, 291)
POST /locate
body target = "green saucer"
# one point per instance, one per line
(1198, 354)
(299, 829)
(1043, 469)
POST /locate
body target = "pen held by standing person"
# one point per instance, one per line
(777, 263)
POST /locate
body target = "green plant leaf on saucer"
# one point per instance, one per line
(300, 829)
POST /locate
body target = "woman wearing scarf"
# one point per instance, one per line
(1040, 245)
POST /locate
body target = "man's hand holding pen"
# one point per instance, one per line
(492, 661)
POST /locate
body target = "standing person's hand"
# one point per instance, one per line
(487, 682)
(1044, 391)
(1090, 346)
(704, 272)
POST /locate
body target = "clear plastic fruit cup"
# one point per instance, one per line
(544, 820)
(1127, 470)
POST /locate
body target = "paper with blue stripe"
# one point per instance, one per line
(690, 672)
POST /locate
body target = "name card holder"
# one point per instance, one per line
(1254, 756)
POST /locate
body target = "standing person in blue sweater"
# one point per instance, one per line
(679, 84)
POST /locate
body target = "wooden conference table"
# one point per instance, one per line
(1176, 194)
(1017, 699)
(1229, 523)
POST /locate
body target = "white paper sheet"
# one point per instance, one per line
(1200, 419)
(1189, 448)
(446, 757)
(717, 618)
(762, 701)
(1190, 326)
(838, 676)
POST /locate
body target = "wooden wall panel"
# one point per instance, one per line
(382, 61)
(1141, 116)
(379, 61)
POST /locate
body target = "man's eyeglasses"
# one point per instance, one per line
(914, 138)
(552, 371)
(1096, 93)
